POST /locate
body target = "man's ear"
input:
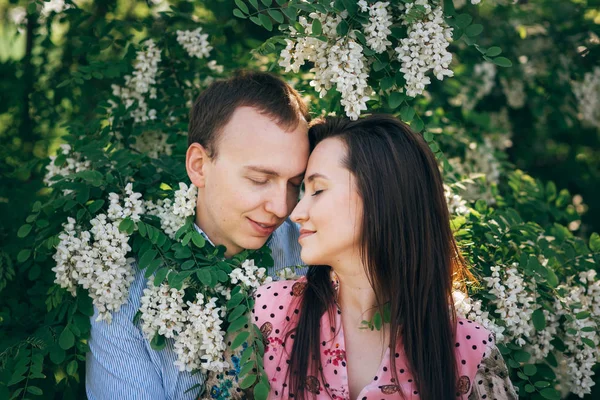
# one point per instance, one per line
(196, 160)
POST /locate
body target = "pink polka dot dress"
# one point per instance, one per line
(482, 372)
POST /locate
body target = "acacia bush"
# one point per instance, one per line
(510, 107)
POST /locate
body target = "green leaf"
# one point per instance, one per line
(235, 300)
(386, 83)
(248, 381)
(24, 230)
(550, 394)
(242, 6)
(141, 228)
(158, 342)
(147, 258)
(317, 28)
(239, 14)
(95, 206)
(342, 28)
(256, 20)
(428, 136)
(521, 356)
(36, 391)
(502, 62)
(539, 320)
(407, 113)
(541, 384)
(493, 51)
(239, 339)
(66, 339)
(160, 276)
(377, 320)
(266, 22)
(72, 368)
(237, 312)
(261, 391)
(188, 264)
(254, 3)
(204, 277)
(152, 267)
(529, 369)
(23, 255)
(126, 225)
(595, 242)
(529, 388)
(582, 315)
(276, 15)
(588, 342)
(463, 20)
(474, 30)
(378, 65)
(237, 324)
(198, 239)
(267, 2)
(395, 100)
(57, 355)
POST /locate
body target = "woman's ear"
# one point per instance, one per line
(196, 159)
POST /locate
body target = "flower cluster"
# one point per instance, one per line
(74, 162)
(514, 90)
(338, 61)
(582, 346)
(97, 259)
(425, 48)
(196, 327)
(378, 28)
(194, 42)
(588, 97)
(472, 309)
(173, 213)
(479, 85)
(153, 144)
(140, 85)
(514, 303)
(456, 204)
(249, 275)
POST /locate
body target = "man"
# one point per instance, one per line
(248, 149)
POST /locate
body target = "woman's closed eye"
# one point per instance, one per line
(317, 192)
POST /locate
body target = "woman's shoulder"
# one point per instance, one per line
(276, 301)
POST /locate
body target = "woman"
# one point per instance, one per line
(375, 230)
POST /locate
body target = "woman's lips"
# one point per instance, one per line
(305, 233)
(262, 229)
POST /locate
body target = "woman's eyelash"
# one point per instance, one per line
(316, 192)
(257, 182)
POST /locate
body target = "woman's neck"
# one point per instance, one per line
(355, 294)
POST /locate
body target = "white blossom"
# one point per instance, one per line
(153, 144)
(378, 28)
(514, 90)
(479, 85)
(141, 84)
(425, 48)
(456, 204)
(338, 61)
(587, 93)
(162, 310)
(514, 303)
(472, 309)
(249, 275)
(74, 162)
(194, 42)
(173, 213)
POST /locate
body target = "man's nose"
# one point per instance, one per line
(277, 203)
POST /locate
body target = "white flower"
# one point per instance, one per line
(132, 208)
(514, 302)
(74, 162)
(194, 42)
(378, 28)
(514, 90)
(472, 310)
(162, 309)
(140, 85)
(173, 213)
(425, 48)
(153, 143)
(588, 97)
(338, 61)
(456, 204)
(287, 274)
(249, 275)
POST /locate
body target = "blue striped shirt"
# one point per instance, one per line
(122, 365)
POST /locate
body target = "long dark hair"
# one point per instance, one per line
(408, 250)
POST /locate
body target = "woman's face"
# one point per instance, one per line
(330, 213)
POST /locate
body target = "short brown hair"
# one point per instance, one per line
(265, 92)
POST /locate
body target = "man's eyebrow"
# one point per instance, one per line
(314, 176)
(268, 171)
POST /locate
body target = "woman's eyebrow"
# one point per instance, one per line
(314, 176)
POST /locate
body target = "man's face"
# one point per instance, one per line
(252, 185)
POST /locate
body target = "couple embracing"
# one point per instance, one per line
(374, 229)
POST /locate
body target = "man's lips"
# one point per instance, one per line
(261, 228)
(305, 233)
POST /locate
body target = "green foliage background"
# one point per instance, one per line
(57, 75)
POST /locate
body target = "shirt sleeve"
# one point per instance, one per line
(119, 365)
(492, 380)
